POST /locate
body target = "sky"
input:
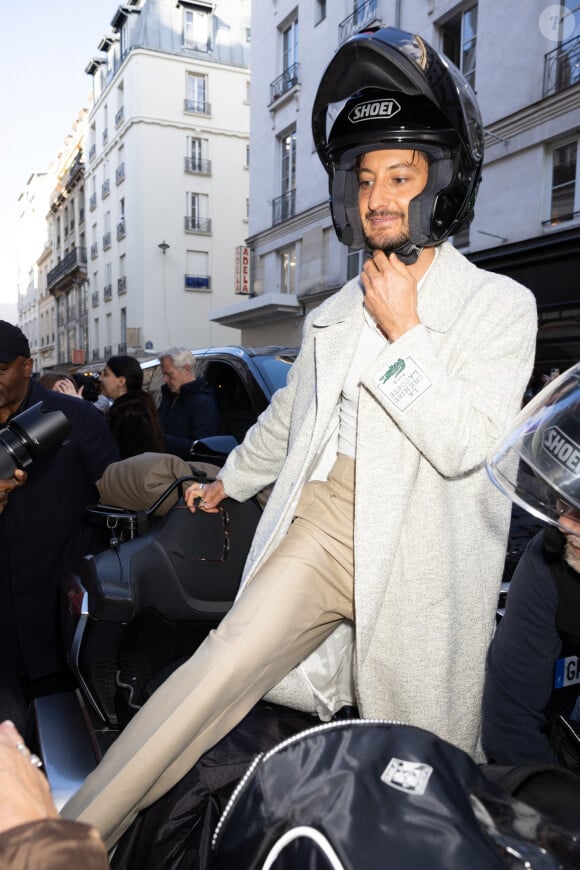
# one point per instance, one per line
(42, 67)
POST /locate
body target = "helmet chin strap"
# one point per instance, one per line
(408, 253)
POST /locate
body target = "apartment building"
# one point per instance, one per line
(523, 60)
(148, 211)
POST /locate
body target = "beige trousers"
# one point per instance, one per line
(292, 604)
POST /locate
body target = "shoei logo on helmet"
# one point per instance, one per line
(562, 449)
(373, 109)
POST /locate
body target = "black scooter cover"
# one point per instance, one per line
(368, 794)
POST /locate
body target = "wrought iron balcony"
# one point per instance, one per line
(92, 201)
(562, 67)
(198, 225)
(121, 229)
(95, 353)
(95, 298)
(120, 173)
(107, 292)
(283, 207)
(120, 116)
(364, 13)
(108, 350)
(122, 347)
(106, 241)
(105, 188)
(197, 282)
(284, 82)
(94, 250)
(197, 107)
(122, 285)
(196, 164)
(73, 265)
(92, 152)
(105, 136)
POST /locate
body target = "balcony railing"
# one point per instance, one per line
(94, 250)
(120, 173)
(106, 241)
(120, 116)
(92, 201)
(121, 229)
(196, 164)
(198, 225)
(364, 13)
(75, 260)
(122, 347)
(108, 350)
(197, 107)
(95, 353)
(105, 188)
(122, 285)
(95, 298)
(197, 282)
(92, 152)
(105, 136)
(284, 82)
(107, 292)
(283, 207)
(562, 67)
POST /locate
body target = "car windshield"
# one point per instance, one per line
(275, 369)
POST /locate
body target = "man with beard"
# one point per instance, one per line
(381, 514)
(533, 665)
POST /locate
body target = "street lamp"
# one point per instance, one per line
(164, 246)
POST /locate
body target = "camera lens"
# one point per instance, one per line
(28, 436)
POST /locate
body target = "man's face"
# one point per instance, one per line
(571, 521)
(13, 385)
(174, 377)
(388, 181)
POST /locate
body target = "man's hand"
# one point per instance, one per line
(390, 294)
(209, 495)
(24, 790)
(66, 387)
(6, 486)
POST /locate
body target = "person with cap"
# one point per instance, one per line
(533, 664)
(42, 533)
(373, 577)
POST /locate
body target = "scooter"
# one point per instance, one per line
(130, 615)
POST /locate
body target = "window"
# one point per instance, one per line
(197, 29)
(290, 46)
(197, 275)
(197, 151)
(564, 203)
(288, 270)
(284, 204)
(196, 219)
(459, 36)
(320, 14)
(196, 96)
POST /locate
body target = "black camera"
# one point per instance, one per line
(28, 436)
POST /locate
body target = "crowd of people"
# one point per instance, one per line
(373, 578)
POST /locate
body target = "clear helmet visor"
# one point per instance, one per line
(537, 464)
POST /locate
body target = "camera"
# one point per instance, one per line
(30, 435)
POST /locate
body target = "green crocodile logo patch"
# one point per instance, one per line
(393, 370)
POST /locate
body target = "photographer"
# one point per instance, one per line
(42, 533)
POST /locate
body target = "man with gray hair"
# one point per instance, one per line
(189, 408)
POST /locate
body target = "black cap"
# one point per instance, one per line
(13, 342)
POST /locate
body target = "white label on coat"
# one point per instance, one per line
(403, 382)
(408, 776)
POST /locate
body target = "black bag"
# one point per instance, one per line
(565, 738)
(367, 794)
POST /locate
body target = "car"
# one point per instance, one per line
(244, 380)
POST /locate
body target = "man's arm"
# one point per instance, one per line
(455, 410)
(520, 666)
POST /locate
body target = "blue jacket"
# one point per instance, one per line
(524, 686)
(42, 535)
(188, 415)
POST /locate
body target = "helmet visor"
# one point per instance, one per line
(537, 465)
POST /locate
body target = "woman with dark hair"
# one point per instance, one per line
(133, 415)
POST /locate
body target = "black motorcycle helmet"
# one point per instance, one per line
(387, 88)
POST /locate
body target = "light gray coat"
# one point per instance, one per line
(430, 529)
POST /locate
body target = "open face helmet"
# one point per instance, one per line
(537, 464)
(389, 89)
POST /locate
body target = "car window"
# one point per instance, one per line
(274, 369)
